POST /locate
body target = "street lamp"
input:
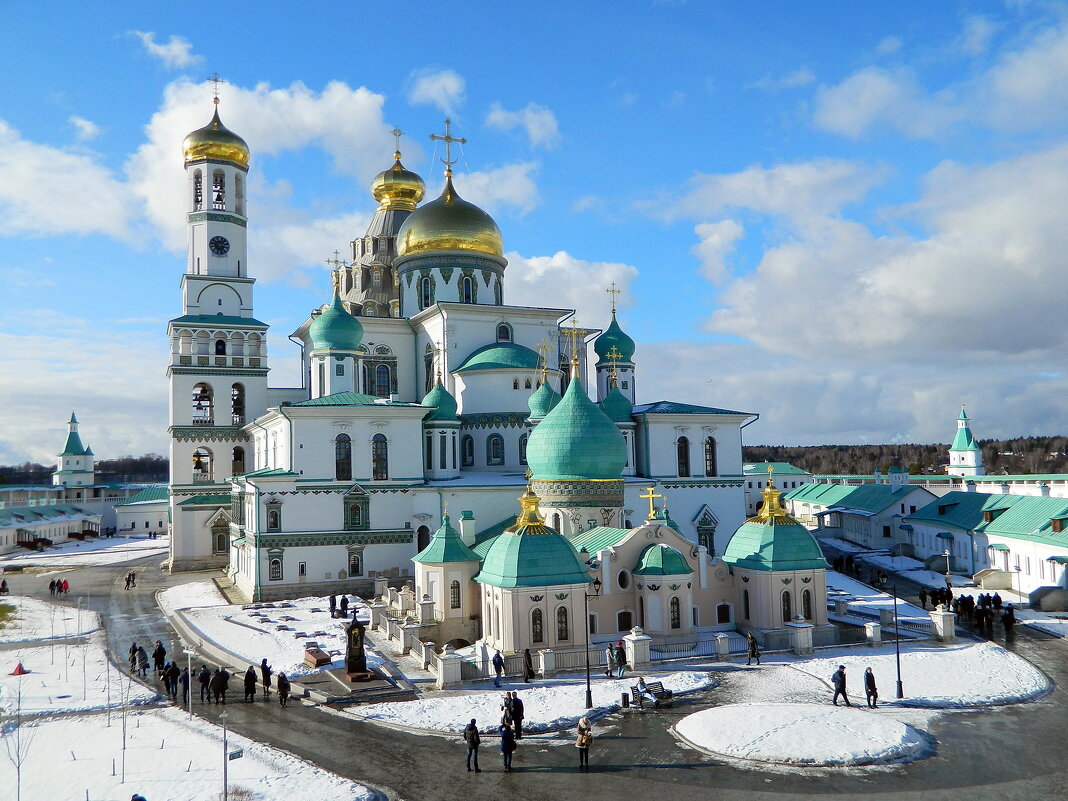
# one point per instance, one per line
(586, 625)
(949, 581)
(897, 647)
(189, 671)
(226, 757)
(1019, 583)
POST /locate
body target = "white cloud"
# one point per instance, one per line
(538, 122)
(802, 76)
(46, 190)
(441, 88)
(509, 187)
(84, 129)
(561, 281)
(975, 39)
(888, 45)
(717, 243)
(1028, 86)
(177, 53)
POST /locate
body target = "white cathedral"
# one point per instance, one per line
(422, 393)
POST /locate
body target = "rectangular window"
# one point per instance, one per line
(886, 531)
(302, 568)
(339, 368)
(443, 451)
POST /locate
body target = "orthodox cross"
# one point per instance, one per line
(437, 357)
(543, 356)
(397, 134)
(613, 356)
(573, 333)
(649, 497)
(448, 139)
(216, 80)
(612, 293)
(335, 273)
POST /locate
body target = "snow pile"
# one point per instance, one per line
(547, 706)
(803, 734)
(167, 756)
(190, 595)
(39, 620)
(92, 552)
(860, 596)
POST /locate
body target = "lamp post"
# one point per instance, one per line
(897, 647)
(1019, 583)
(189, 671)
(586, 625)
(226, 757)
(949, 581)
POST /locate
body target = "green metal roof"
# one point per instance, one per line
(443, 403)
(774, 545)
(542, 401)
(335, 329)
(541, 559)
(206, 500)
(1030, 519)
(576, 441)
(73, 446)
(347, 399)
(617, 406)
(661, 560)
(779, 468)
(270, 472)
(614, 337)
(597, 538)
(961, 510)
(872, 498)
(27, 515)
(963, 441)
(670, 407)
(446, 546)
(208, 320)
(160, 493)
(500, 356)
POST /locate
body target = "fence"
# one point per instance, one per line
(572, 659)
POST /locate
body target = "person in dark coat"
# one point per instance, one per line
(528, 665)
(345, 606)
(183, 682)
(753, 648)
(265, 674)
(333, 606)
(250, 684)
(170, 676)
(997, 602)
(583, 739)
(52, 588)
(473, 740)
(507, 745)
(871, 692)
(133, 657)
(506, 710)
(838, 679)
(204, 677)
(283, 689)
(498, 668)
(142, 661)
(159, 656)
(220, 681)
(621, 660)
(923, 599)
(1008, 620)
(518, 714)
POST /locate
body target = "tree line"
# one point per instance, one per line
(148, 468)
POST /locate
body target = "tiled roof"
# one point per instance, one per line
(597, 539)
(148, 494)
(779, 469)
(670, 407)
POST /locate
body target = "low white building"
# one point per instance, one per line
(44, 524)
(786, 476)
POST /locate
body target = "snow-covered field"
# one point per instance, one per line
(96, 552)
(548, 705)
(803, 734)
(167, 757)
(271, 631)
(860, 596)
(39, 620)
(55, 681)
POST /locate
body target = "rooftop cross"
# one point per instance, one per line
(573, 334)
(448, 139)
(649, 497)
(397, 134)
(437, 358)
(216, 80)
(613, 356)
(612, 293)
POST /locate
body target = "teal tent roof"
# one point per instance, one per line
(443, 402)
(73, 446)
(542, 401)
(523, 557)
(218, 319)
(576, 441)
(774, 544)
(661, 560)
(500, 356)
(963, 440)
(147, 495)
(617, 406)
(613, 336)
(445, 546)
(335, 329)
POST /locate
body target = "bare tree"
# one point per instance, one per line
(17, 740)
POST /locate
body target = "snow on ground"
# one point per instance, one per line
(166, 757)
(548, 705)
(92, 552)
(863, 597)
(190, 595)
(803, 734)
(55, 681)
(271, 630)
(39, 620)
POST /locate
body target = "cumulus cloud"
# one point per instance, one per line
(538, 122)
(802, 76)
(975, 39)
(510, 187)
(441, 88)
(176, 53)
(888, 45)
(717, 243)
(562, 281)
(84, 129)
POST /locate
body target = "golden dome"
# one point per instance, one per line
(216, 142)
(449, 223)
(397, 187)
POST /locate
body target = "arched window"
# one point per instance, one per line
(676, 613)
(787, 607)
(376, 279)
(203, 405)
(237, 405)
(343, 457)
(198, 191)
(239, 196)
(274, 517)
(467, 451)
(454, 595)
(523, 448)
(220, 536)
(467, 290)
(238, 459)
(383, 381)
(220, 347)
(537, 626)
(428, 367)
(723, 613)
(641, 611)
(682, 448)
(624, 620)
(379, 458)
(203, 466)
(561, 624)
(422, 537)
(495, 449)
(504, 333)
(745, 604)
(355, 564)
(275, 570)
(806, 604)
(710, 456)
(515, 383)
(425, 295)
(527, 384)
(556, 521)
(218, 190)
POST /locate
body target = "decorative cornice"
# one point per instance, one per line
(687, 483)
(494, 420)
(207, 216)
(348, 538)
(208, 434)
(209, 370)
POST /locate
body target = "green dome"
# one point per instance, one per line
(335, 329)
(774, 545)
(445, 546)
(443, 402)
(614, 336)
(661, 560)
(576, 441)
(500, 356)
(617, 406)
(542, 401)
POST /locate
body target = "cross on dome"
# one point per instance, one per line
(612, 294)
(448, 139)
(573, 333)
(397, 134)
(650, 496)
(215, 79)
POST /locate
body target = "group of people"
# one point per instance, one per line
(131, 580)
(615, 660)
(871, 691)
(343, 607)
(511, 730)
(498, 667)
(58, 587)
(937, 595)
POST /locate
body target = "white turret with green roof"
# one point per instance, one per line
(615, 357)
(75, 466)
(440, 431)
(335, 342)
(965, 455)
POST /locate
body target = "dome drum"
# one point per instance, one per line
(603, 493)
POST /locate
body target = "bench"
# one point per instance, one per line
(655, 689)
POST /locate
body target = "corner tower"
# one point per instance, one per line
(965, 456)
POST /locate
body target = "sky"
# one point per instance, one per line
(846, 217)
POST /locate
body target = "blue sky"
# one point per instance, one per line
(846, 217)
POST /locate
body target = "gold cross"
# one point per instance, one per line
(448, 139)
(215, 79)
(336, 262)
(612, 292)
(437, 356)
(650, 497)
(397, 133)
(573, 333)
(613, 356)
(543, 356)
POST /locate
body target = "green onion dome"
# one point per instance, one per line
(576, 441)
(774, 540)
(335, 329)
(661, 560)
(542, 401)
(443, 402)
(617, 406)
(614, 337)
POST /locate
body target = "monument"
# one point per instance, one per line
(355, 659)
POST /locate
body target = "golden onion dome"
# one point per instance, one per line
(397, 187)
(449, 223)
(216, 142)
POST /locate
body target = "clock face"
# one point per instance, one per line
(219, 245)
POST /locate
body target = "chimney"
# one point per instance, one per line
(467, 527)
(1043, 489)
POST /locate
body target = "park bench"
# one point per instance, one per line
(655, 689)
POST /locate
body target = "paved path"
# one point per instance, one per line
(1004, 754)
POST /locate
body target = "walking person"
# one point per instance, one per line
(753, 651)
(250, 685)
(204, 677)
(283, 690)
(498, 668)
(345, 606)
(1008, 620)
(265, 674)
(923, 599)
(506, 710)
(507, 745)
(621, 660)
(66, 587)
(871, 692)
(518, 714)
(52, 588)
(127, 582)
(333, 606)
(159, 654)
(528, 666)
(838, 679)
(609, 660)
(133, 657)
(133, 579)
(170, 677)
(142, 661)
(473, 740)
(183, 681)
(583, 739)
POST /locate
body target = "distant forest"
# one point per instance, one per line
(151, 467)
(1020, 456)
